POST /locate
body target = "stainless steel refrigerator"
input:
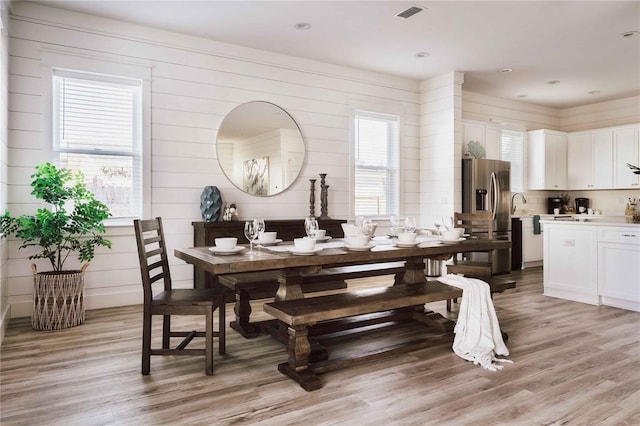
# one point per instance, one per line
(485, 186)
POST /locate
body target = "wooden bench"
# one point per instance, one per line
(497, 284)
(259, 285)
(300, 314)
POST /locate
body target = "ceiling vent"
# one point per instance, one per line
(409, 12)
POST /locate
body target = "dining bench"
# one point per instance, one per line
(249, 286)
(301, 314)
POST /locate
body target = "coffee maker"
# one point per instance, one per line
(554, 203)
(584, 203)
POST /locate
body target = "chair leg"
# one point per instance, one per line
(166, 331)
(222, 326)
(146, 343)
(448, 305)
(208, 351)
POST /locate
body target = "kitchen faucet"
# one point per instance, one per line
(513, 206)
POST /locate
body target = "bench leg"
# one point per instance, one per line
(242, 309)
(297, 366)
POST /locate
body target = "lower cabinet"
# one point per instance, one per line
(531, 244)
(619, 267)
(593, 264)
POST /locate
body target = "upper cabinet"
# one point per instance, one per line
(590, 160)
(626, 149)
(547, 160)
(488, 135)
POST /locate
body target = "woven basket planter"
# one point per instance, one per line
(58, 299)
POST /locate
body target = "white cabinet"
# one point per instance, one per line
(570, 262)
(547, 160)
(590, 160)
(488, 135)
(626, 149)
(619, 267)
(531, 244)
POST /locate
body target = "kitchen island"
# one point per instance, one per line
(594, 261)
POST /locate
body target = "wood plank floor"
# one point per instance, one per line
(574, 364)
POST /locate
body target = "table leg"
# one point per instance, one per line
(297, 366)
(242, 309)
(414, 271)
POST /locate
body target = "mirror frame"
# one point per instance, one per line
(256, 166)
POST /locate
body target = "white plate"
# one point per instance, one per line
(411, 244)
(323, 239)
(452, 241)
(275, 243)
(235, 250)
(360, 248)
(295, 251)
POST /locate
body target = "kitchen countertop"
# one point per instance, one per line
(598, 220)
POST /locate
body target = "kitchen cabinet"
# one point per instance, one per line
(532, 244)
(626, 149)
(619, 267)
(487, 134)
(590, 160)
(593, 262)
(547, 160)
(570, 262)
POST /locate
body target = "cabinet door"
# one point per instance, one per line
(602, 160)
(556, 159)
(579, 167)
(619, 274)
(626, 149)
(532, 243)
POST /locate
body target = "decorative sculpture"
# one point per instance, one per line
(312, 198)
(210, 203)
(324, 202)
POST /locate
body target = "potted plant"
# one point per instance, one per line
(73, 223)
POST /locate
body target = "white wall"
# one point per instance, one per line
(194, 83)
(4, 108)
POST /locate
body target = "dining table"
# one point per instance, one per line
(291, 266)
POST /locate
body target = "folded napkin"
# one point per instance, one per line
(477, 333)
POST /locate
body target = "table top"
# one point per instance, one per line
(332, 253)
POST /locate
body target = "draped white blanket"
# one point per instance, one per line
(477, 332)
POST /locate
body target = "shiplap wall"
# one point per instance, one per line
(195, 82)
(4, 108)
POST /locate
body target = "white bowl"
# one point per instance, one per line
(320, 234)
(267, 237)
(226, 243)
(406, 237)
(450, 235)
(358, 240)
(305, 243)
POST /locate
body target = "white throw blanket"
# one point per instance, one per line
(477, 333)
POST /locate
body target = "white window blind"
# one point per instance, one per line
(512, 150)
(376, 164)
(98, 130)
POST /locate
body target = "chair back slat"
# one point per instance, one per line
(478, 225)
(152, 255)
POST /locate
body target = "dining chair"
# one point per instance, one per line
(154, 267)
(473, 264)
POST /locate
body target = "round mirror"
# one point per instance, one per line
(260, 148)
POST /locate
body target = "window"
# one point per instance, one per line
(376, 164)
(97, 129)
(512, 150)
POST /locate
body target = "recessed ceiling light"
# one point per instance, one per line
(522, 96)
(506, 70)
(553, 81)
(593, 92)
(302, 26)
(422, 54)
(630, 33)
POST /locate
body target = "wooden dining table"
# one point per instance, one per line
(290, 266)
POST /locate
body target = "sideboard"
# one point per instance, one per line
(205, 233)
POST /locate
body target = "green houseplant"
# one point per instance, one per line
(73, 223)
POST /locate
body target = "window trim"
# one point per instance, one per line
(80, 62)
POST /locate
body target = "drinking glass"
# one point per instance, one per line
(251, 231)
(410, 224)
(311, 226)
(367, 227)
(448, 224)
(438, 222)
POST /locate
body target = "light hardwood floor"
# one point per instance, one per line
(574, 364)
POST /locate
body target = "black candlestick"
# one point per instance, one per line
(312, 198)
(324, 202)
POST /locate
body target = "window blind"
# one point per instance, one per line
(97, 130)
(512, 149)
(376, 164)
